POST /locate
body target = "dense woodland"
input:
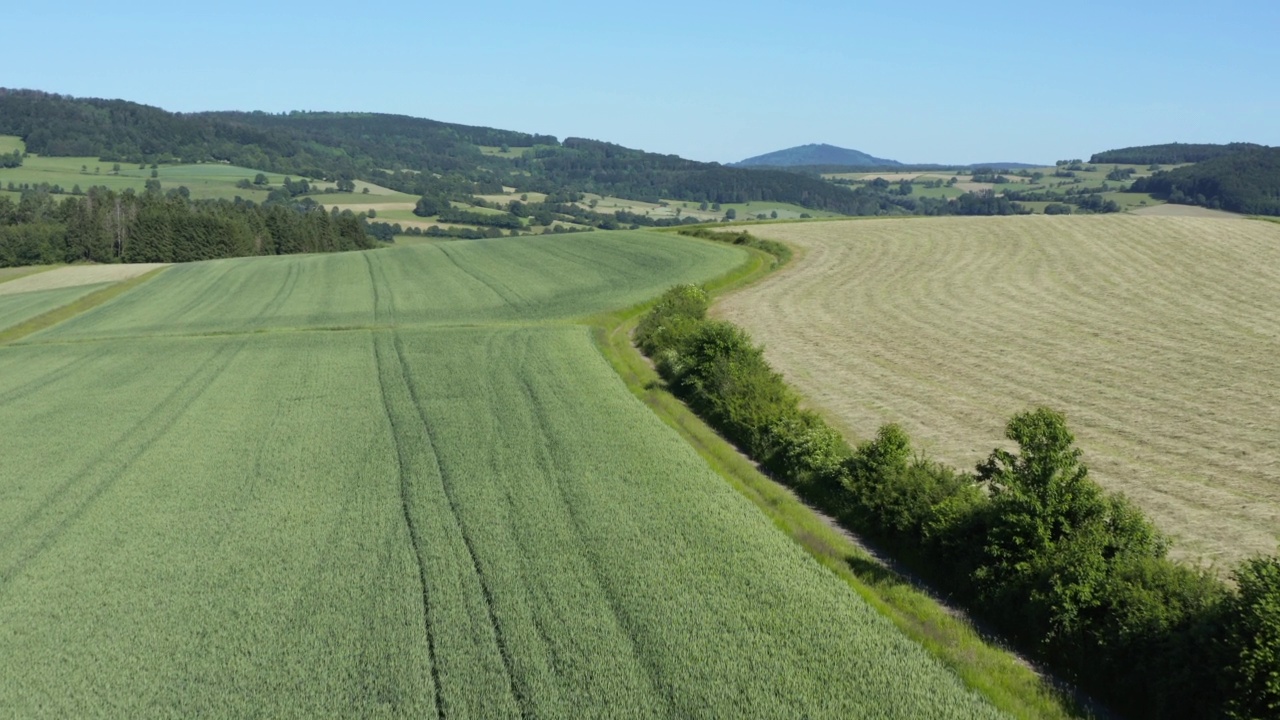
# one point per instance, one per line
(1245, 182)
(1078, 577)
(1169, 154)
(106, 226)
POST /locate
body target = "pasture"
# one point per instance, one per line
(1155, 335)
(1090, 176)
(204, 180)
(402, 483)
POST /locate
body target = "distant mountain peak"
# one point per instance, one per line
(816, 154)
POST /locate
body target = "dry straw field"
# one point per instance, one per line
(1158, 337)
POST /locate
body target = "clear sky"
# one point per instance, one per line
(923, 81)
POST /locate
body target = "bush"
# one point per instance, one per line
(1253, 637)
(803, 448)
(895, 493)
(672, 319)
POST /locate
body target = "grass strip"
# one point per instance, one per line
(70, 310)
(13, 273)
(1000, 676)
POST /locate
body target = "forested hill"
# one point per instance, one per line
(413, 155)
(371, 140)
(1246, 181)
(328, 145)
(1169, 154)
(601, 167)
(812, 155)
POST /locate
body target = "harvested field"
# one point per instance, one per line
(9, 274)
(1155, 335)
(75, 276)
(1172, 210)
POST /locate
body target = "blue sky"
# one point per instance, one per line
(923, 81)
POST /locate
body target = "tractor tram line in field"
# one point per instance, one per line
(415, 535)
(41, 526)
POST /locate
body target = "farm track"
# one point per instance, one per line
(1152, 334)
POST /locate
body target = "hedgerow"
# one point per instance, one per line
(1076, 576)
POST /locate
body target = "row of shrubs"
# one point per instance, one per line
(1075, 576)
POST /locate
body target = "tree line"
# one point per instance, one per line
(1244, 182)
(1169, 154)
(106, 226)
(1027, 541)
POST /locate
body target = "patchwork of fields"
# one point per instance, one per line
(1155, 335)
(401, 483)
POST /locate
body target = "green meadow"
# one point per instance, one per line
(204, 180)
(1081, 179)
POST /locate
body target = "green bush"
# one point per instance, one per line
(675, 315)
(895, 493)
(1253, 636)
(803, 448)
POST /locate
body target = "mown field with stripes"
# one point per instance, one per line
(401, 483)
(1156, 336)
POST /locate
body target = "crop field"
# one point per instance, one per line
(536, 279)
(402, 483)
(75, 275)
(1155, 335)
(9, 274)
(21, 306)
(1174, 210)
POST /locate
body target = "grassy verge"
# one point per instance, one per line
(66, 312)
(1000, 676)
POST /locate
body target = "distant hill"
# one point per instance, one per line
(1169, 153)
(1004, 165)
(806, 155)
(1246, 181)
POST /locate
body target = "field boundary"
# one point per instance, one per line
(70, 310)
(30, 270)
(1001, 677)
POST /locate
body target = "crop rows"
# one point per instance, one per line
(525, 279)
(1154, 335)
(471, 519)
(19, 307)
